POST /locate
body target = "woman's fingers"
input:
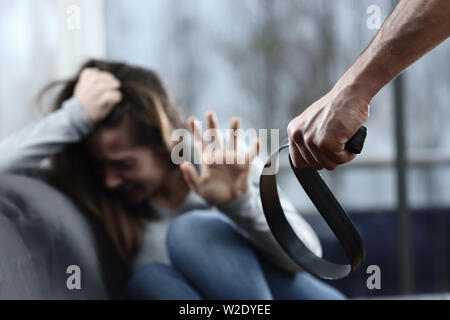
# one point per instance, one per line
(111, 98)
(211, 120)
(88, 74)
(200, 142)
(196, 131)
(234, 134)
(97, 92)
(108, 83)
(253, 152)
(190, 175)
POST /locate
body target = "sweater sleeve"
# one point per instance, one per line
(247, 213)
(26, 148)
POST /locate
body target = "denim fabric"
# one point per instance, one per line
(212, 259)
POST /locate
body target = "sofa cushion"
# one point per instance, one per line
(42, 233)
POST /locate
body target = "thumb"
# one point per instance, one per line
(190, 175)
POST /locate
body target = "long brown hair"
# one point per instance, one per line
(154, 113)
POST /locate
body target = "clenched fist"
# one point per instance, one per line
(97, 92)
(318, 136)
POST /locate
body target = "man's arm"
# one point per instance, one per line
(414, 28)
(318, 135)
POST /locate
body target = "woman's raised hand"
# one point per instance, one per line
(225, 169)
(97, 92)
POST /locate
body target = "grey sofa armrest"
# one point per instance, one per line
(42, 233)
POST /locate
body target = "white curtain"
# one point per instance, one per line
(42, 41)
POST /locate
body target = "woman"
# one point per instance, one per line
(185, 232)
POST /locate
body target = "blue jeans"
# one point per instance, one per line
(211, 259)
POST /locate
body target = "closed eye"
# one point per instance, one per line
(123, 164)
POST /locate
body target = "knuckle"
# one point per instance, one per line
(86, 72)
(291, 129)
(323, 143)
(297, 135)
(331, 166)
(97, 80)
(309, 141)
(344, 158)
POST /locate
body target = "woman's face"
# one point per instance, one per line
(134, 172)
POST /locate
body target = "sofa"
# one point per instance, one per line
(50, 248)
(43, 232)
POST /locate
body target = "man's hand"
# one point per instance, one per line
(318, 136)
(97, 92)
(225, 170)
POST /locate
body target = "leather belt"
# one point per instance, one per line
(327, 205)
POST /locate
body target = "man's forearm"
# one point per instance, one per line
(414, 28)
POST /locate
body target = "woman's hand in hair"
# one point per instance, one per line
(97, 92)
(225, 170)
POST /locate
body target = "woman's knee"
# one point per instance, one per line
(213, 254)
(159, 281)
(196, 230)
(144, 279)
(298, 286)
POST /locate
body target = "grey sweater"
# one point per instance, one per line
(28, 148)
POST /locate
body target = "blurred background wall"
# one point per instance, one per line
(264, 61)
(40, 41)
